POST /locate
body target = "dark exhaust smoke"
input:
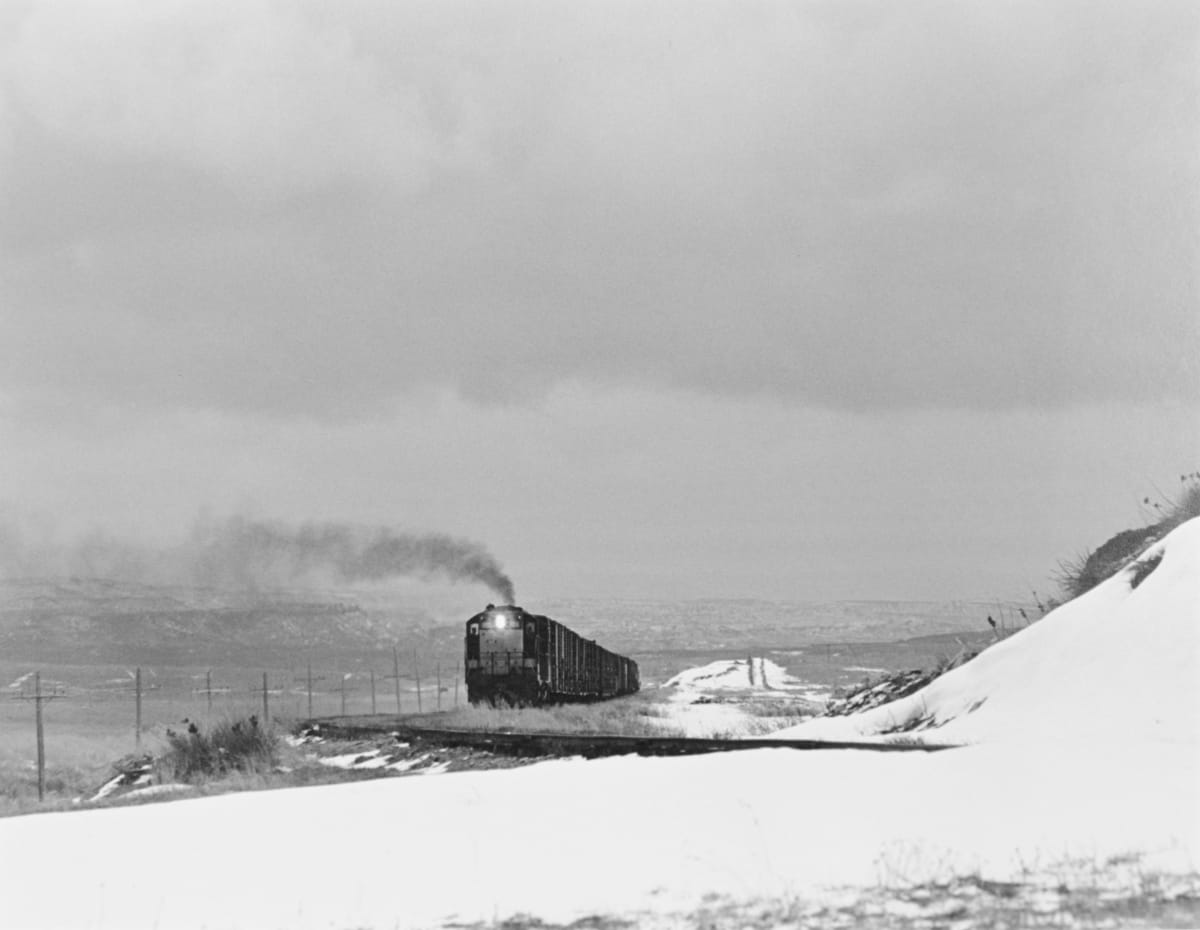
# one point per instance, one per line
(251, 554)
(240, 553)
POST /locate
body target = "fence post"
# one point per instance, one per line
(266, 705)
(137, 687)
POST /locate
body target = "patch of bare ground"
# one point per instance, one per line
(966, 903)
(388, 756)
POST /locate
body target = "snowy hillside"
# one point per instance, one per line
(1120, 662)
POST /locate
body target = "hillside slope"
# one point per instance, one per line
(1120, 660)
(91, 620)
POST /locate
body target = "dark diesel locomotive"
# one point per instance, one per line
(518, 658)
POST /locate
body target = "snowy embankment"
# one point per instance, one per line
(713, 700)
(1120, 663)
(1084, 761)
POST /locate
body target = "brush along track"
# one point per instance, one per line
(588, 745)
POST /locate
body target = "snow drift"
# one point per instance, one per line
(1118, 662)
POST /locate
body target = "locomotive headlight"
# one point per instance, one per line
(501, 621)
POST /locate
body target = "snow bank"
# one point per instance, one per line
(1117, 663)
(641, 835)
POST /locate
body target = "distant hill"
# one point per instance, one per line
(94, 621)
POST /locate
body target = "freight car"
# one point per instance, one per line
(518, 658)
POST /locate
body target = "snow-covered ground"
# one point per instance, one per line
(1084, 759)
(564, 839)
(716, 700)
(1118, 663)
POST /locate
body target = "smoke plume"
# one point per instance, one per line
(251, 554)
(240, 553)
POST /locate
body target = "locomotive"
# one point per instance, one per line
(517, 658)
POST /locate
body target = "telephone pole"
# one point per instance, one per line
(266, 706)
(207, 691)
(417, 676)
(38, 699)
(395, 676)
(308, 680)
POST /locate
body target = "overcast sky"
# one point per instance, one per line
(669, 299)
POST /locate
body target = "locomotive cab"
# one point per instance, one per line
(500, 656)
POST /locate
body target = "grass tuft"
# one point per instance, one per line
(242, 746)
(1079, 575)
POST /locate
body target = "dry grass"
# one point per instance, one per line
(635, 715)
(242, 746)
(1079, 575)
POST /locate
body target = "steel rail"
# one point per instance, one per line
(588, 745)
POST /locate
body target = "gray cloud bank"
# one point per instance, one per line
(308, 209)
(253, 554)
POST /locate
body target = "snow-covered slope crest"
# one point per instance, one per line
(1121, 661)
(734, 675)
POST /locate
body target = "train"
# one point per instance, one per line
(518, 659)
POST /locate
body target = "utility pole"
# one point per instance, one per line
(308, 680)
(417, 676)
(372, 692)
(396, 675)
(266, 707)
(38, 699)
(438, 673)
(345, 678)
(137, 687)
(207, 691)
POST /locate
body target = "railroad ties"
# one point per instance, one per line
(589, 745)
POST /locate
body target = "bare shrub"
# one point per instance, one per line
(230, 746)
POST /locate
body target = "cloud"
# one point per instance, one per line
(250, 93)
(313, 210)
(631, 493)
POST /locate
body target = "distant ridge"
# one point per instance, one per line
(89, 620)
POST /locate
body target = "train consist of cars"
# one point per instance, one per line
(517, 658)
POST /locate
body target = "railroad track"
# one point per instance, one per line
(588, 745)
